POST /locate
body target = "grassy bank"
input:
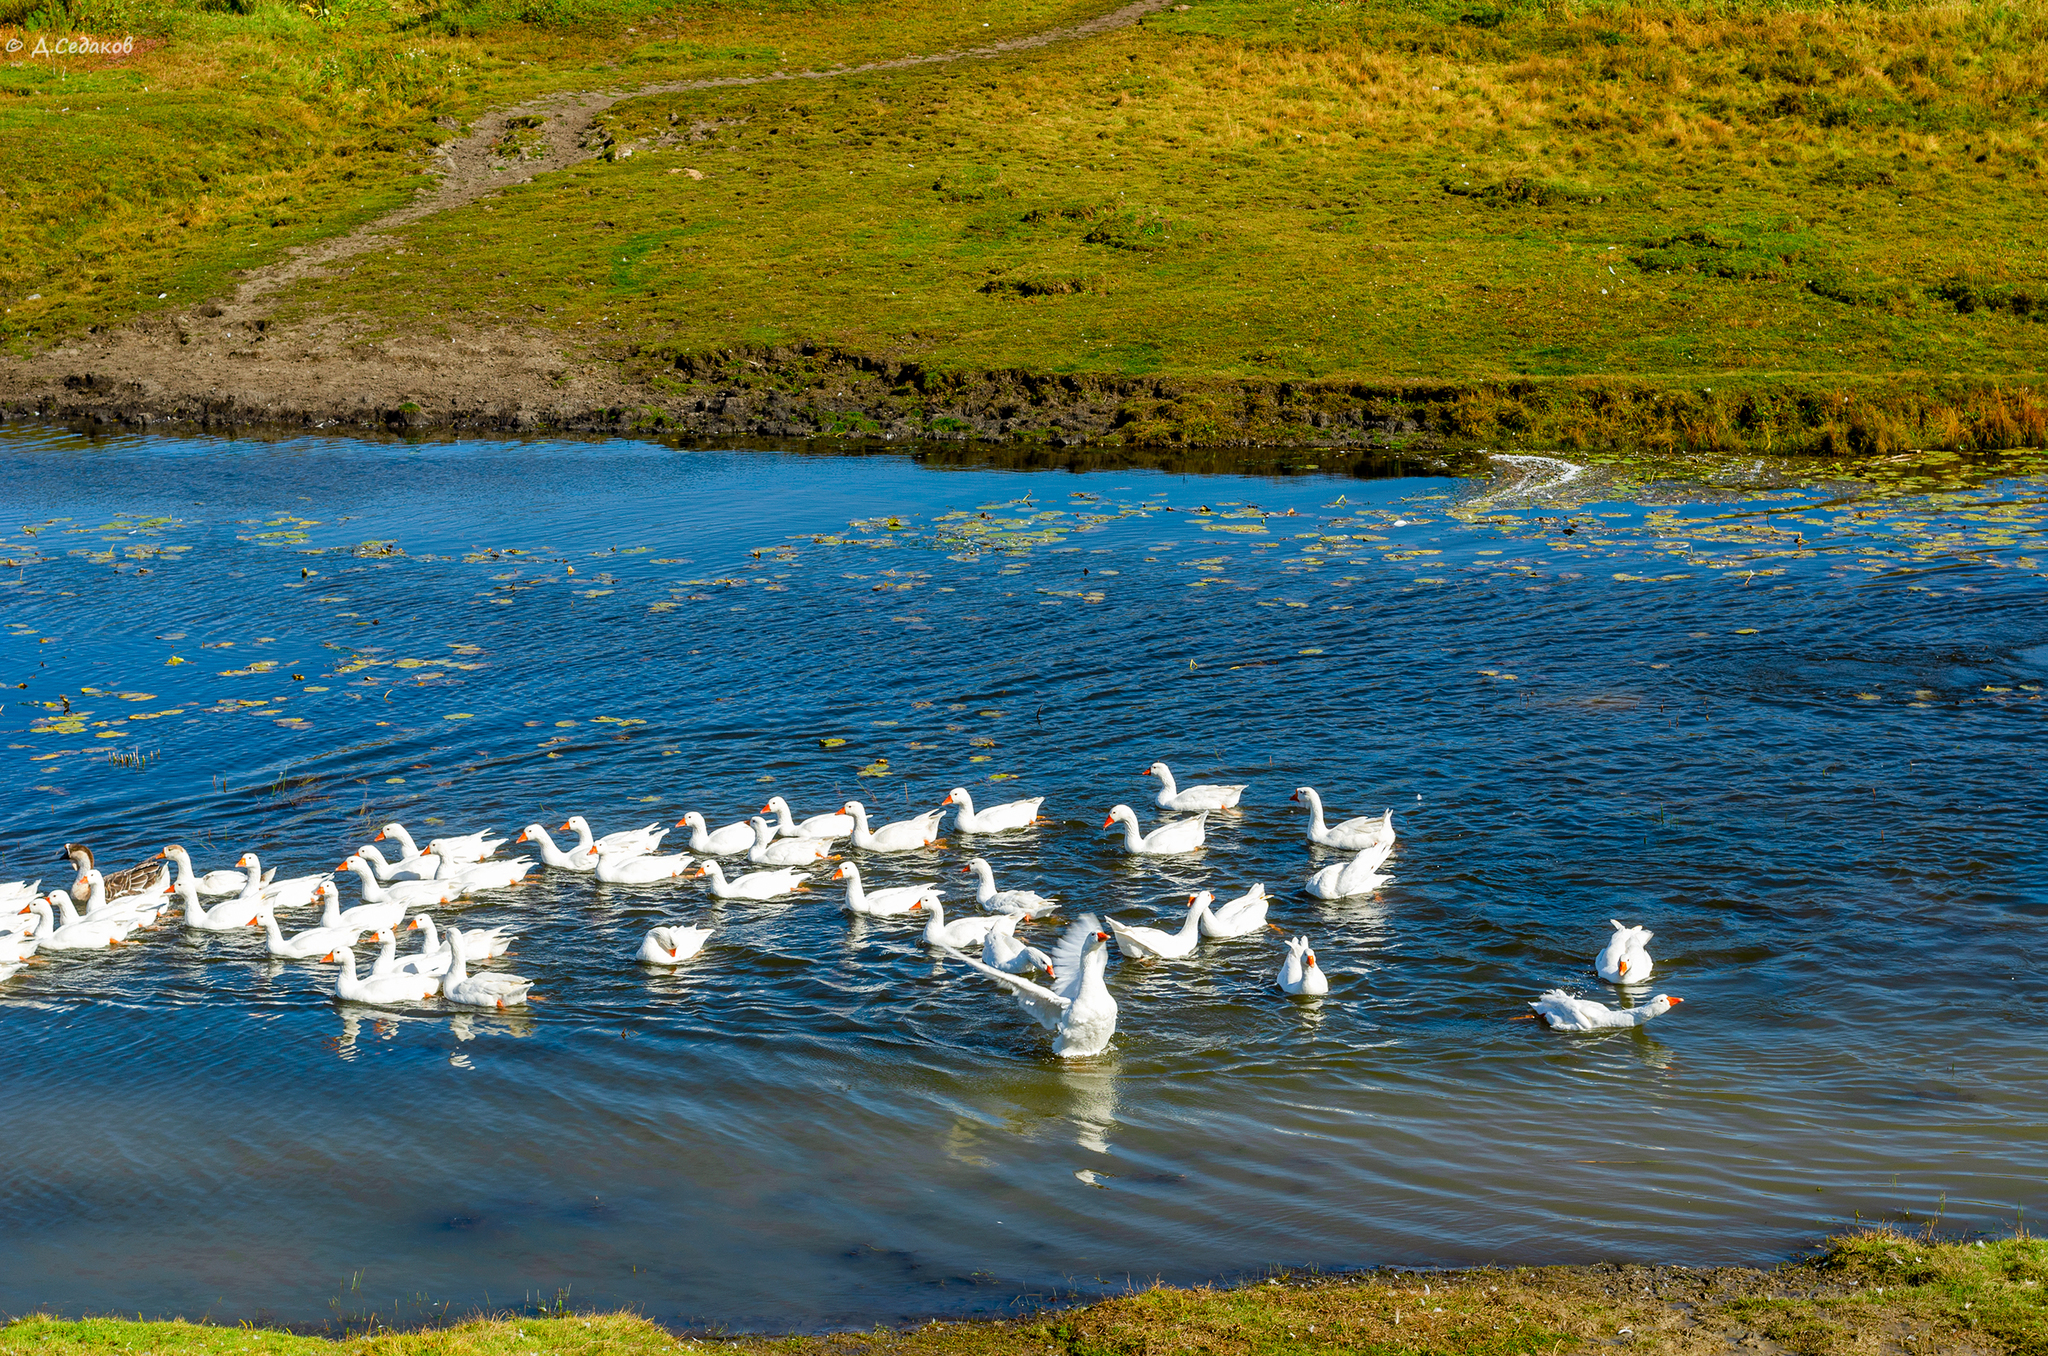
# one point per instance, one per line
(1873, 1292)
(1773, 224)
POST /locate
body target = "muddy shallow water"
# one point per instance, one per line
(1797, 731)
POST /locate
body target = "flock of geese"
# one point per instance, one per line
(1061, 988)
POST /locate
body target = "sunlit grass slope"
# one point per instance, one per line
(1866, 1294)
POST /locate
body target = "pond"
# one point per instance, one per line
(1794, 726)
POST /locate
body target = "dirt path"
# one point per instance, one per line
(471, 169)
(223, 363)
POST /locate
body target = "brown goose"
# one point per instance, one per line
(153, 875)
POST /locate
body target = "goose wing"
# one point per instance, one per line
(1045, 1006)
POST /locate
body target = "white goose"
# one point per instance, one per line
(245, 910)
(316, 943)
(1299, 973)
(1361, 875)
(479, 991)
(1077, 1007)
(768, 850)
(1143, 943)
(464, 848)
(634, 868)
(1363, 832)
(1001, 949)
(10, 968)
(1239, 917)
(579, 860)
(905, 835)
(1626, 957)
(754, 884)
(379, 989)
(1181, 835)
(21, 892)
(891, 902)
(643, 840)
(1212, 797)
(74, 933)
(424, 867)
(1566, 1013)
(407, 894)
(425, 961)
(719, 842)
(1027, 903)
(212, 883)
(15, 946)
(378, 918)
(1015, 814)
(479, 944)
(496, 874)
(295, 892)
(838, 824)
(142, 909)
(969, 931)
(409, 854)
(671, 944)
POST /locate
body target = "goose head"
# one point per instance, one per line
(533, 833)
(980, 867)
(1305, 795)
(78, 854)
(353, 863)
(691, 820)
(576, 824)
(248, 862)
(1159, 770)
(1123, 812)
(174, 853)
(776, 806)
(858, 811)
(847, 871)
(1660, 1005)
(1200, 900)
(393, 830)
(957, 796)
(763, 830)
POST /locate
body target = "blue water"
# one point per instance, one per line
(1796, 729)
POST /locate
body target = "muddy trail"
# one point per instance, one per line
(225, 363)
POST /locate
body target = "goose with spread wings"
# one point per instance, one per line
(1075, 1005)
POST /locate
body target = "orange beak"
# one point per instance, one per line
(916, 904)
(415, 925)
(522, 836)
(1102, 936)
(1108, 820)
(1623, 967)
(1309, 959)
(1676, 1001)
(1295, 796)
(379, 838)
(567, 829)
(681, 822)
(328, 957)
(948, 800)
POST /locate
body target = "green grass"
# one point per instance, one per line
(241, 128)
(1863, 1295)
(1777, 224)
